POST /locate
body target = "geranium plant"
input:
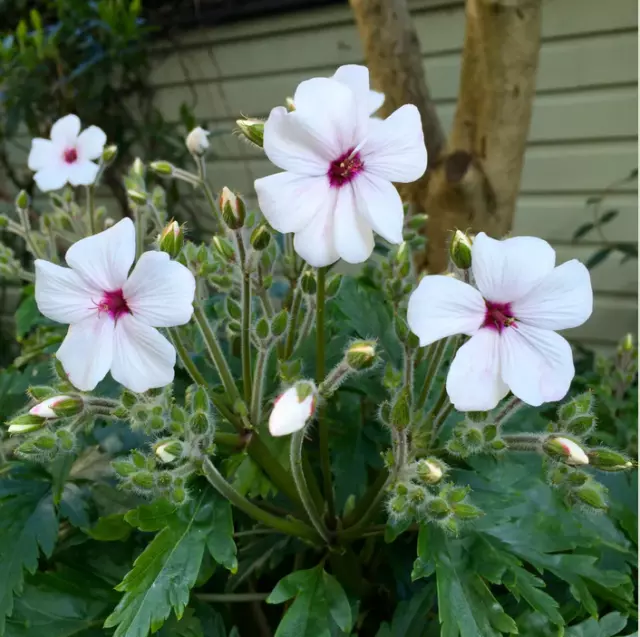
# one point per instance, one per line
(232, 426)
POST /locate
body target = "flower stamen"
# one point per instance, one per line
(498, 316)
(114, 304)
(345, 168)
(70, 155)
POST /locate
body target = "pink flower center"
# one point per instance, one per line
(345, 168)
(114, 304)
(70, 155)
(497, 316)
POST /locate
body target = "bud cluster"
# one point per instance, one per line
(475, 435)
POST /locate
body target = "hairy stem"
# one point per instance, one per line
(245, 334)
(508, 409)
(301, 484)
(257, 391)
(434, 355)
(287, 526)
(91, 209)
(183, 355)
(293, 321)
(140, 231)
(225, 598)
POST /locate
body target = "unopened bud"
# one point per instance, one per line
(124, 468)
(460, 250)
(430, 470)
(45, 442)
(438, 508)
(233, 309)
(26, 424)
(22, 200)
(253, 130)
(233, 209)
(260, 238)
(109, 154)
(290, 104)
(199, 423)
(168, 451)
(171, 239)
(565, 450)
(592, 494)
(58, 407)
(262, 329)
(608, 460)
(223, 248)
(361, 355)
(308, 282)
(137, 168)
(66, 440)
(293, 409)
(333, 285)
(416, 222)
(465, 511)
(143, 480)
(279, 323)
(577, 406)
(401, 409)
(137, 197)
(197, 141)
(40, 392)
(161, 168)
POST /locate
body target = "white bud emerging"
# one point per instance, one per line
(568, 450)
(57, 406)
(292, 409)
(25, 428)
(168, 451)
(430, 471)
(197, 141)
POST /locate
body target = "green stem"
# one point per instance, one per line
(257, 391)
(287, 526)
(215, 351)
(91, 209)
(228, 439)
(225, 598)
(323, 429)
(211, 199)
(301, 484)
(508, 409)
(26, 224)
(368, 505)
(436, 352)
(139, 219)
(293, 321)
(245, 334)
(189, 365)
(440, 419)
(263, 294)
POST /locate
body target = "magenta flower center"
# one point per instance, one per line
(497, 316)
(114, 304)
(70, 155)
(345, 168)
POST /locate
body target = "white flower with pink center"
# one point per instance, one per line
(340, 164)
(520, 300)
(68, 157)
(291, 412)
(113, 315)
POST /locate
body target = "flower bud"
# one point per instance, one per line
(124, 468)
(262, 329)
(279, 323)
(361, 355)
(171, 239)
(137, 197)
(168, 451)
(465, 511)
(416, 222)
(578, 406)
(143, 480)
(608, 460)
(223, 248)
(178, 495)
(460, 250)
(109, 154)
(293, 409)
(233, 309)
(253, 130)
(45, 442)
(430, 470)
(565, 450)
(161, 168)
(626, 344)
(308, 282)
(401, 409)
(333, 285)
(592, 494)
(66, 440)
(477, 416)
(233, 209)
(26, 424)
(22, 200)
(137, 168)
(58, 407)
(290, 104)
(197, 141)
(260, 238)
(437, 508)
(40, 392)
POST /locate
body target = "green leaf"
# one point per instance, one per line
(220, 540)
(188, 626)
(597, 257)
(62, 604)
(607, 217)
(110, 528)
(28, 525)
(585, 228)
(165, 572)
(28, 315)
(609, 626)
(409, 616)
(424, 565)
(318, 596)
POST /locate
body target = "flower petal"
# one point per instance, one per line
(474, 382)
(43, 154)
(505, 271)
(51, 178)
(160, 291)
(537, 364)
(352, 233)
(91, 143)
(379, 203)
(442, 306)
(375, 101)
(142, 358)
(65, 130)
(87, 351)
(289, 414)
(291, 144)
(104, 259)
(356, 77)
(315, 243)
(395, 148)
(563, 299)
(82, 173)
(289, 202)
(62, 295)
(330, 111)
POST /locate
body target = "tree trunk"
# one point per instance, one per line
(473, 182)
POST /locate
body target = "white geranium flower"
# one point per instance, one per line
(340, 164)
(112, 315)
(290, 413)
(521, 299)
(68, 156)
